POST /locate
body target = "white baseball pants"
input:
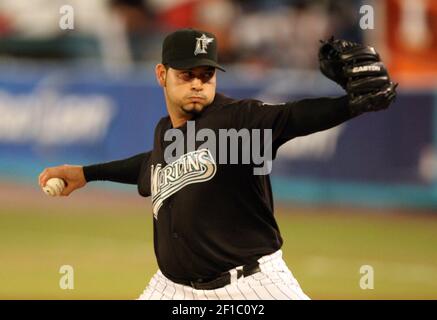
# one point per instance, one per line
(274, 282)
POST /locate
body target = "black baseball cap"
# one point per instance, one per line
(189, 48)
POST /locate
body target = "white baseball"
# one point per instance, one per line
(54, 187)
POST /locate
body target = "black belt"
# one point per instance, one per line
(223, 279)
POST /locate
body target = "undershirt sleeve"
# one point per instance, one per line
(123, 171)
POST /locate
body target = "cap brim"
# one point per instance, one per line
(192, 63)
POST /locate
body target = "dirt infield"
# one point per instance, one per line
(13, 193)
(102, 193)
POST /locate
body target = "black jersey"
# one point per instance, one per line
(209, 220)
(211, 216)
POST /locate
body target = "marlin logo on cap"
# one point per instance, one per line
(202, 44)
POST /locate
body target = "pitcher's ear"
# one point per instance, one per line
(161, 73)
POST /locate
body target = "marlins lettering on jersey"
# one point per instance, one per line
(192, 167)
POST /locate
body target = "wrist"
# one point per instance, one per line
(91, 172)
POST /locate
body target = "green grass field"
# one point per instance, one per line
(110, 248)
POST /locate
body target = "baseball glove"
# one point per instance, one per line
(359, 70)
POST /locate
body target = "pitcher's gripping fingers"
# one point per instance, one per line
(72, 175)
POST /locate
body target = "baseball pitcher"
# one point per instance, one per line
(215, 234)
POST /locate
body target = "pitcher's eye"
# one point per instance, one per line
(207, 76)
(186, 75)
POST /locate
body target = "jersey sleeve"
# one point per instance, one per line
(124, 171)
(292, 119)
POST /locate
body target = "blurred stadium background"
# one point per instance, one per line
(364, 193)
